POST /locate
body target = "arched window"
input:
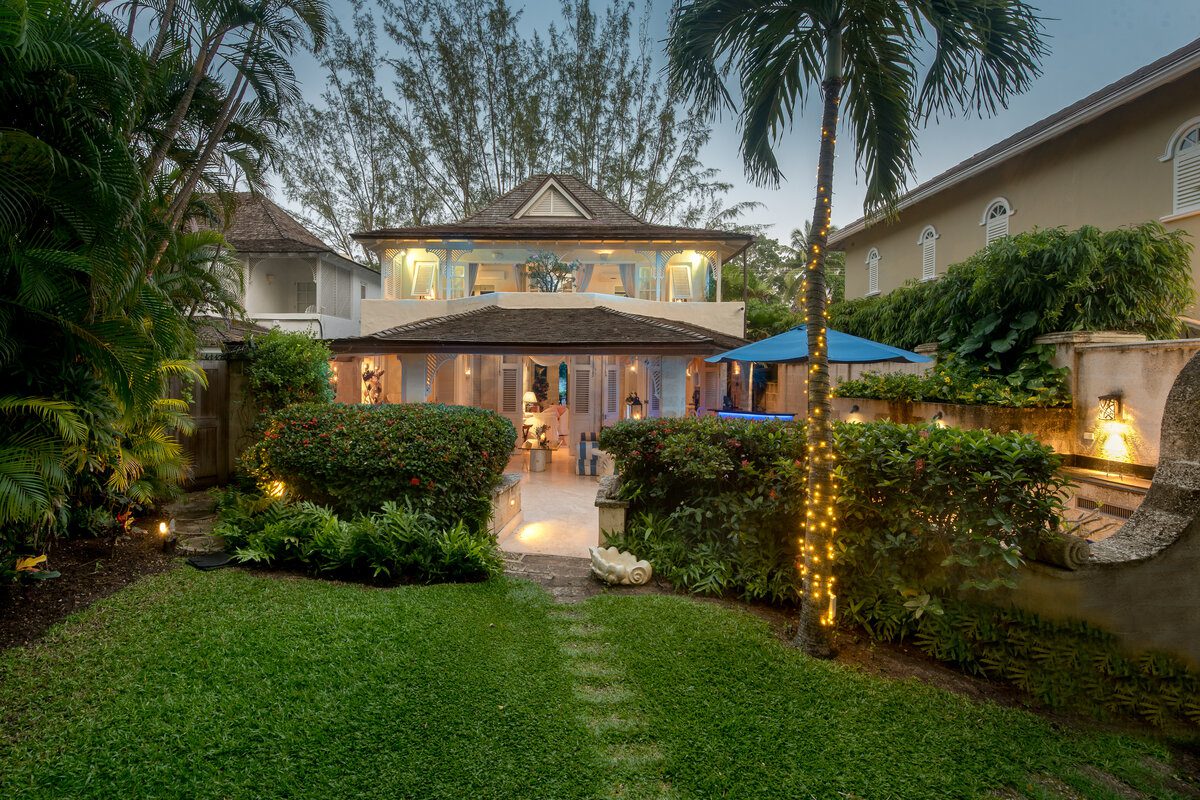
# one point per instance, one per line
(928, 244)
(873, 271)
(995, 220)
(1186, 156)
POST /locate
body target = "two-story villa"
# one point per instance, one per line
(1125, 154)
(461, 322)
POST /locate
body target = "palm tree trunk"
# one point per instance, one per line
(817, 600)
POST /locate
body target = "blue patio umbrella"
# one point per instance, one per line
(791, 347)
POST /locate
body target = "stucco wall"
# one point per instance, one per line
(1106, 173)
(378, 315)
(1141, 583)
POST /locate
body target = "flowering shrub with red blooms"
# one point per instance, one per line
(716, 504)
(925, 511)
(443, 460)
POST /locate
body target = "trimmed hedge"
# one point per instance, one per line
(442, 460)
(716, 503)
(934, 520)
(928, 511)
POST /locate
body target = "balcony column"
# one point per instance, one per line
(414, 378)
(320, 295)
(658, 274)
(718, 272)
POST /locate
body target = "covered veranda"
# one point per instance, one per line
(573, 370)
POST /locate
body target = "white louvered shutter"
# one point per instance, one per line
(423, 279)
(510, 388)
(656, 387)
(929, 255)
(552, 203)
(581, 397)
(711, 379)
(612, 391)
(873, 271)
(681, 282)
(1187, 173)
(997, 223)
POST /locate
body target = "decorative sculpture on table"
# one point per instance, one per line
(372, 385)
(614, 566)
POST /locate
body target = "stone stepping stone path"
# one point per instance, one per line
(194, 513)
(613, 710)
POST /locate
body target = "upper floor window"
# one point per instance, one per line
(873, 271)
(1186, 183)
(995, 220)
(928, 244)
(306, 297)
(681, 282)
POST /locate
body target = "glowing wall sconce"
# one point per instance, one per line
(937, 419)
(1110, 408)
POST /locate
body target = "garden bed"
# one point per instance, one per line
(91, 569)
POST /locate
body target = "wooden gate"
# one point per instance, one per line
(208, 447)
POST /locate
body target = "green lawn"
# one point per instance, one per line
(231, 685)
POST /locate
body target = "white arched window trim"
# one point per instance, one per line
(872, 271)
(985, 220)
(927, 241)
(1185, 170)
(1173, 142)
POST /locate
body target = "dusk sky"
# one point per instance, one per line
(1092, 42)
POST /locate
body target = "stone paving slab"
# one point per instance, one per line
(568, 579)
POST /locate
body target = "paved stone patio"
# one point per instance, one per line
(558, 510)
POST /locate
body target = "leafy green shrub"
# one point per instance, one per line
(395, 542)
(721, 501)
(288, 367)
(1069, 666)
(716, 505)
(927, 511)
(1034, 383)
(990, 307)
(441, 460)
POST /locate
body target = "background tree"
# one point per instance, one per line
(974, 55)
(481, 100)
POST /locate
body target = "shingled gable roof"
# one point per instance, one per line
(605, 220)
(1158, 73)
(494, 329)
(258, 225)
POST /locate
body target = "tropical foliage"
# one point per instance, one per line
(393, 543)
(891, 65)
(1034, 383)
(285, 367)
(111, 128)
(546, 272)
(716, 503)
(928, 510)
(440, 460)
(990, 307)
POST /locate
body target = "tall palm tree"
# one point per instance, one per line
(893, 63)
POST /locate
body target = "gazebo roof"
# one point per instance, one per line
(495, 329)
(557, 208)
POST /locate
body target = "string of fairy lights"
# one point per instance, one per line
(820, 514)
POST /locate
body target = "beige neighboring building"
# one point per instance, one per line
(1126, 154)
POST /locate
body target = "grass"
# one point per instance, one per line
(235, 685)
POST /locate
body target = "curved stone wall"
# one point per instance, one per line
(1143, 582)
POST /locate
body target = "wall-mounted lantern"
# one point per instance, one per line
(633, 406)
(1110, 408)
